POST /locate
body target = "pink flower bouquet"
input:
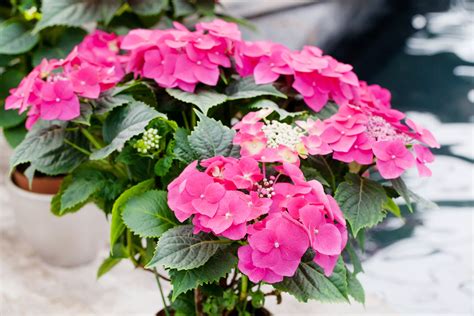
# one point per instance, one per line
(230, 164)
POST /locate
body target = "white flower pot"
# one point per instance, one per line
(67, 241)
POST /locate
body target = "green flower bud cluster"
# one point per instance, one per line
(149, 143)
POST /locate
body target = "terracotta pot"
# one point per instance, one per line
(41, 184)
(67, 241)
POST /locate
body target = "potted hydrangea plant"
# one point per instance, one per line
(29, 32)
(244, 169)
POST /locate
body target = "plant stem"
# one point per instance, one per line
(157, 277)
(130, 248)
(197, 302)
(82, 150)
(244, 281)
(91, 138)
(193, 118)
(185, 119)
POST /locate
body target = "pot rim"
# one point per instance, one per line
(27, 194)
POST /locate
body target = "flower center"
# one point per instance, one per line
(83, 83)
(58, 99)
(199, 62)
(202, 196)
(316, 231)
(393, 156)
(227, 215)
(278, 134)
(276, 244)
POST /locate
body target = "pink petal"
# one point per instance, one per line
(328, 240)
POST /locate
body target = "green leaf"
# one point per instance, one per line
(354, 258)
(179, 248)
(85, 183)
(15, 135)
(309, 282)
(124, 123)
(56, 201)
(107, 265)
(148, 7)
(139, 90)
(69, 38)
(9, 79)
(63, 159)
(210, 138)
(361, 200)
(109, 100)
(162, 166)
(16, 38)
(313, 174)
(44, 137)
(267, 104)
(354, 288)
(400, 186)
(392, 207)
(85, 116)
(10, 118)
(76, 12)
(182, 149)
(217, 267)
(182, 8)
(116, 226)
(148, 214)
(203, 99)
(246, 88)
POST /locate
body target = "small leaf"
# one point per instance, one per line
(64, 159)
(309, 282)
(148, 214)
(211, 138)
(116, 226)
(122, 124)
(162, 166)
(267, 104)
(246, 88)
(108, 101)
(15, 135)
(16, 38)
(354, 288)
(179, 248)
(84, 184)
(85, 116)
(76, 12)
(361, 201)
(203, 99)
(217, 267)
(182, 8)
(400, 186)
(107, 265)
(392, 207)
(56, 201)
(148, 7)
(45, 136)
(182, 149)
(354, 258)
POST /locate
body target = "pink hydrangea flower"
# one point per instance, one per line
(245, 173)
(422, 134)
(278, 247)
(393, 158)
(58, 101)
(423, 156)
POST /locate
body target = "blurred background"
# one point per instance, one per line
(423, 52)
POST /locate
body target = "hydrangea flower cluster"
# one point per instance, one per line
(51, 91)
(182, 58)
(282, 214)
(356, 133)
(149, 143)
